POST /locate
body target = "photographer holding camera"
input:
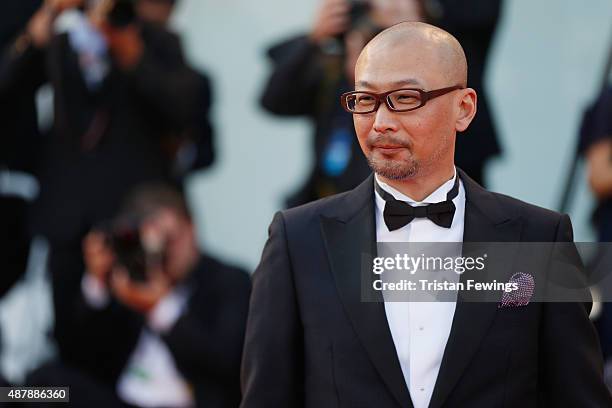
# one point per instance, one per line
(157, 323)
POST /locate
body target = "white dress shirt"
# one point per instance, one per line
(420, 330)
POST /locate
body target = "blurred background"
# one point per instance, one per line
(217, 100)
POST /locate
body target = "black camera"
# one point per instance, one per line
(122, 13)
(358, 15)
(124, 237)
(359, 11)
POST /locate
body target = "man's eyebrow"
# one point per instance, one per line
(363, 84)
(400, 83)
(408, 81)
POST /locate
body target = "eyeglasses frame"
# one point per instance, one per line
(424, 95)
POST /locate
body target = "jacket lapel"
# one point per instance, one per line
(350, 239)
(485, 221)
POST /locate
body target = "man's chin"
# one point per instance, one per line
(394, 169)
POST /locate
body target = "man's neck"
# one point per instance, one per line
(420, 187)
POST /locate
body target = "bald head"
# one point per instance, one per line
(422, 42)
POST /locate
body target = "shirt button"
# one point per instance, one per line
(421, 328)
(422, 389)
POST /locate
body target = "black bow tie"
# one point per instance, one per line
(399, 213)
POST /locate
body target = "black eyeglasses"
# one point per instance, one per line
(398, 100)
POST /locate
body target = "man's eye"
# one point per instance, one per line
(406, 99)
(365, 100)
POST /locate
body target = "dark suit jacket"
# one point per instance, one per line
(311, 342)
(206, 341)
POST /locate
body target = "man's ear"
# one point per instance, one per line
(467, 109)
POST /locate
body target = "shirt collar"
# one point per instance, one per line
(436, 196)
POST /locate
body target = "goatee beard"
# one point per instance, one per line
(394, 169)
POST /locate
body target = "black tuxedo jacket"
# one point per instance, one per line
(311, 342)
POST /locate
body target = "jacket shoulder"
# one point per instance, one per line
(310, 212)
(525, 208)
(536, 219)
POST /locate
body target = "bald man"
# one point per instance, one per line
(313, 340)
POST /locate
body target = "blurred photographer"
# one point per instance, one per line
(122, 92)
(158, 324)
(193, 149)
(596, 145)
(312, 70)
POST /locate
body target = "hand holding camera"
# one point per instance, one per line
(337, 18)
(333, 18)
(141, 279)
(39, 27)
(138, 295)
(139, 292)
(128, 258)
(116, 19)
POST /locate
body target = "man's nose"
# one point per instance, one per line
(385, 120)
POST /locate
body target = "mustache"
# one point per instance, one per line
(382, 140)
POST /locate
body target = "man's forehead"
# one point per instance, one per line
(374, 72)
(417, 53)
(394, 67)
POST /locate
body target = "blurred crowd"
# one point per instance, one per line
(143, 318)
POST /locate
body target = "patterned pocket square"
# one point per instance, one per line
(520, 296)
